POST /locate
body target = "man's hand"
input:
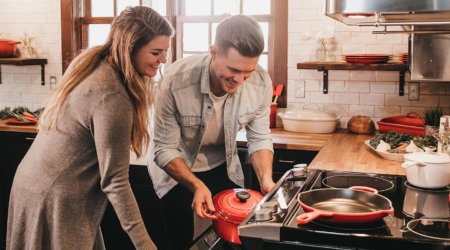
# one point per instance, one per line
(266, 185)
(202, 200)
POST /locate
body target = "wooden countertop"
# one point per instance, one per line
(338, 151)
(347, 152)
(18, 128)
(283, 139)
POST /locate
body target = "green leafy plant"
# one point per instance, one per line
(432, 115)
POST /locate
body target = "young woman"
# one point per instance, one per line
(80, 157)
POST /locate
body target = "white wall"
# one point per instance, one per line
(373, 93)
(350, 92)
(41, 20)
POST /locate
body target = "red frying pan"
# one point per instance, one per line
(341, 205)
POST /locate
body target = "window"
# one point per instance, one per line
(86, 23)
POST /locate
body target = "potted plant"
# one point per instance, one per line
(432, 117)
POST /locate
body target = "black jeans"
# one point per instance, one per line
(177, 205)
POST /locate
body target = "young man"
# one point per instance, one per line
(204, 101)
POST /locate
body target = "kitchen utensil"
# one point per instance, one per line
(410, 124)
(341, 205)
(278, 91)
(8, 48)
(427, 170)
(232, 206)
(361, 124)
(273, 115)
(426, 203)
(309, 120)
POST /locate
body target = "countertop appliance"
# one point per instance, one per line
(407, 228)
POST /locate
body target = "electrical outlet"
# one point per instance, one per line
(413, 91)
(52, 82)
(300, 89)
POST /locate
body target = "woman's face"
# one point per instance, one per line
(148, 58)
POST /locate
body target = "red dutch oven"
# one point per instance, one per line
(352, 205)
(8, 48)
(232, 206)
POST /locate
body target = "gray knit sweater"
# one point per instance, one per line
(62, 185)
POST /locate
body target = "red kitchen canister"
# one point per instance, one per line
(232, 207)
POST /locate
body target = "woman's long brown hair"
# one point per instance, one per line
(131, 30)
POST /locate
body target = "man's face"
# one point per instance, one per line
(228, 70)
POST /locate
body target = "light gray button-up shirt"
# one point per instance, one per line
(184, 108)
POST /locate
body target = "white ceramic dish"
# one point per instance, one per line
(386, 155)
(309, 120)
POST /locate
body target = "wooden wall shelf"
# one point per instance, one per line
(25, 62)
(325, 66)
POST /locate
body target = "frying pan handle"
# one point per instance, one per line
(308, 217)
(364, 188)
(207, 215)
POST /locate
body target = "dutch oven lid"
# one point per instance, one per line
(306, 114)
(411, 119)
(234, 205)
(424, 157)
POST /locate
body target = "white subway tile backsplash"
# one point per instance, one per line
(386, 111)
(361, 38)
(396, 100)
(384, 76)
(379, 49)
(383, 87)
(338, 75)
(357, 75)
(335, 86)
(11, 97)
(426, 101)
(371, 99)
(361, 110)
(357, 86)
(312, 85)
(418, 110)
(346, 98)
(319, 97)
(339, 110)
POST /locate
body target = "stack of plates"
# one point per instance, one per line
(403, 57)
(366, 58)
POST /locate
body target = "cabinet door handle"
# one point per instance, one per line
(286, 161)
(29, 138)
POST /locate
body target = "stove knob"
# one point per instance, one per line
(263, 214)
(271, 205)
(299, 170)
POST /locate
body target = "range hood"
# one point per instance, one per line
(412, 15)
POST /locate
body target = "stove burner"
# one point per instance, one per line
(437, 190)
(346, 181)
(438, 229)
(357, 227)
